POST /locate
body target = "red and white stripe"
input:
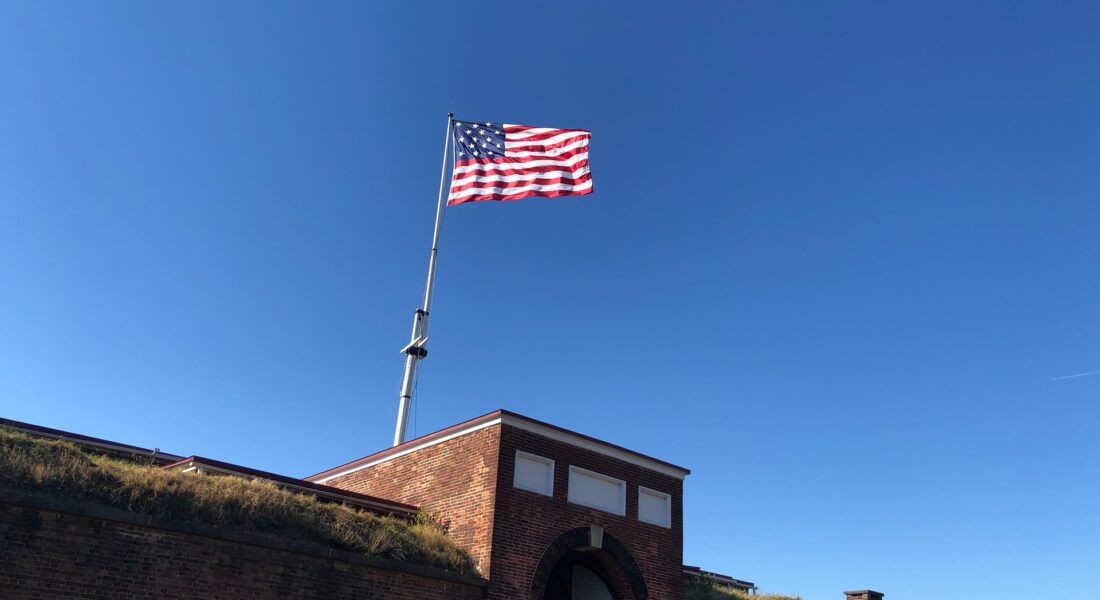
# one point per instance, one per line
(538, 161)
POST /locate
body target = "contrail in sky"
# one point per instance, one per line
(1075, 375)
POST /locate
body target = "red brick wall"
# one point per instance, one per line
(468, 480)
(526, 523)
(455, 479)
(45, 553)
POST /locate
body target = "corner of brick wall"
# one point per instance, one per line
(455, 479)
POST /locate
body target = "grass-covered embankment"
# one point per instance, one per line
(695, 589)
(61, 469)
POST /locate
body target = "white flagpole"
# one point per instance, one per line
(416, 350)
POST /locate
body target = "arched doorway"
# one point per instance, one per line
(579, 576)
(587, 563)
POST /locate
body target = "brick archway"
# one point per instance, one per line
(596, 549)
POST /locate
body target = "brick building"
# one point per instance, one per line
(544, 512)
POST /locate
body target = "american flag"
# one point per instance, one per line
(497, 161)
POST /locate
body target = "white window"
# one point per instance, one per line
(534, 473)
(654, 507)
(597, 491)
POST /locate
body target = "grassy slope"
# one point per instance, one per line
(62, 469)
(707, 591)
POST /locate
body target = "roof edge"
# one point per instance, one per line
(405, 447)
(501, 416)
(300, 485)
(87, 440)
(595, 440)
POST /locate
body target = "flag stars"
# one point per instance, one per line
(476, 140)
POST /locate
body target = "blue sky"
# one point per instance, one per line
(835, 256)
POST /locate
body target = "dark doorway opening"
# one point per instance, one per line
(578, 576)
(588, 563)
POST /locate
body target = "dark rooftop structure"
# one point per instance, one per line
(199, 464)
(720, 579)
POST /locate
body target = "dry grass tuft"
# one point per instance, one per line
(695, 589)
(62, 469)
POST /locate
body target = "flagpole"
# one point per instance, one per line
(416, 349)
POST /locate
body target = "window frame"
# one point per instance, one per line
(667, 524)
(594, 475)
(538, 459)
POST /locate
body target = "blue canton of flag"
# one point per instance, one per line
(479, 140)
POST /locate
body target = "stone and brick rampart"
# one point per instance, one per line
(52, 548)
